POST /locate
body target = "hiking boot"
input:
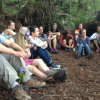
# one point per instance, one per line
(52, 65)
(51, 72)
(56, 50)
(91, 55)
(66, 49)
(76, 55)
(97, 50)
(19, 93)
(33, 83)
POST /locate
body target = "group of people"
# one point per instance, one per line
(15, 53)
(22, 51)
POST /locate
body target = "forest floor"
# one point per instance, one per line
(82, 83)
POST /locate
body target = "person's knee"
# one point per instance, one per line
(40, 60)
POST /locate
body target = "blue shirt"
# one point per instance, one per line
(80, 41)
(2, 39)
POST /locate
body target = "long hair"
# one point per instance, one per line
(20, 40)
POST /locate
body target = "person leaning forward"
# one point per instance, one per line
(11, 61)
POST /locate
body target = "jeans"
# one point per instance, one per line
(80, 47)
(42, 53)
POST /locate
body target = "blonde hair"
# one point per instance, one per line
(20, 40)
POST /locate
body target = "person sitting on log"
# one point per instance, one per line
(83, 42)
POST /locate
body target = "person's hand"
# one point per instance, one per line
(39, 37)
(28, 46)
(28, 53)
(35, 47)
(20, 54)
(72, 46)
(78, 44)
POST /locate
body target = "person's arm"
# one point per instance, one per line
(94, 36)
(77, 42)
(10, 51)
(76, 32)
(61, 41)
(54, 36)
(88, 41)
(13, 45)
(10, 32)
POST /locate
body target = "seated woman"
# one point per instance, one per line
(52, 41)
(8, 33)
(66, 41)
(39, 47)
(83, 41)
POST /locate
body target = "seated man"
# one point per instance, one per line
(77, 31)
(11, 61)
(66, 41)
(56, 32)
(83, 41)
(96, 39)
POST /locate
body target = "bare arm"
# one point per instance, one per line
(54, 36)
(76, 33)
(12, 45)
(10, 32)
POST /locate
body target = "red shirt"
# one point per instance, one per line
(67, 39)
(79, 29)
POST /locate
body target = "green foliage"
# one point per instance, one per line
(78, 11)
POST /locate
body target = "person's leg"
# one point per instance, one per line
(40, 65)
(70, 42)
(87, 49)
(7, 72)
(96, 43)
(36, 71)
(54, 43)
(44, 55)
(34, 53)
(76, 36)
(18, 62)
(50, 44)
(80, 49)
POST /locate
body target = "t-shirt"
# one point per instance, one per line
(2, 39)
(79, 29)
(67, 39)
(80, 41)
(57, 30)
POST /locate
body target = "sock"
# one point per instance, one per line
(27, 80)
(47, 71)
(14, 84)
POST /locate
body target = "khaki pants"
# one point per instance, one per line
(9, 66)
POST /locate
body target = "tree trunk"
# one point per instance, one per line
(0, 6)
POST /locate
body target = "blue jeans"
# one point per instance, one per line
(42, 53)
(80, 47)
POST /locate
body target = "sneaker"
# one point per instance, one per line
(91, 55)
(33, 84)
(66, 49)
(19, 93)
(97, 50)
(76, 55)
(56, 50)
(56, 65)
(52, 65)
(52, 51)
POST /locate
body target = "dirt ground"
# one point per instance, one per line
(82, 83)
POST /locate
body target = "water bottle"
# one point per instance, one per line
(73, 49)
(83, 53)
(21, 73)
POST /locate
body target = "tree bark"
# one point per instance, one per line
(0, 6)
